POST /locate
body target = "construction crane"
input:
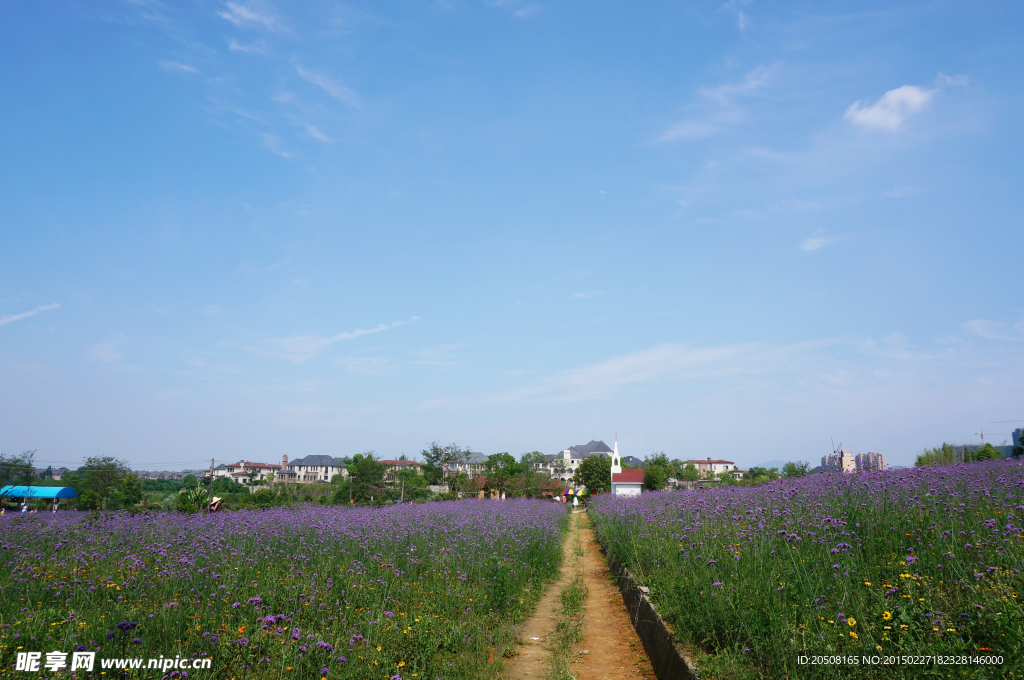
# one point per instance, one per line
(982, 435)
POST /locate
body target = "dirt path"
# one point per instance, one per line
(534, 660)
(613, 650)
(610, 649)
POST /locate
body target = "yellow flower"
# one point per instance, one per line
(853, 635)
(378, 649)
(851, 621)
(401, 663)
(886, 615)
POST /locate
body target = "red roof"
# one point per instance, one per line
(628, 477)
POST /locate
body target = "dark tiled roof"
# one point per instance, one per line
(318, 461)
(593, 447)
(633, 461)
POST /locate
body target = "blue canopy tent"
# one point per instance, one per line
(38, 492)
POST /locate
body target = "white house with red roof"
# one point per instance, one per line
(625, 482)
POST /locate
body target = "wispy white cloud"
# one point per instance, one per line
(110, 350)
(315, 133)
(175, 67)
(942, 80)
(364, 365)
(258, 47)
(334, 89)
(689, 129)
(442, 356)
(719, 105)
(891, 110)
(299, 348)
(248, 15)
(813, 243)
(583, 296)
(599, 380)
(993, 330)
(8, 318)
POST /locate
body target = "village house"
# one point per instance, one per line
(393, 467)
(245, 472)
(472, 465)
(708, 467)
(311, 469)
(563, 465)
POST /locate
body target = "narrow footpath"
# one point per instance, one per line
(610, 648)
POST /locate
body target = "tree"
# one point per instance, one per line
(1018, 449)
(654, 477)
(797, 469)
(439, 459)
(947, 454)
(189, 480)
(17, 470)
(228, 485)
(657, 470)
(366, 475)
(595, 473)
(987, 452)
(690, 473)
(500, 469)
(102, 474)
(130, 492)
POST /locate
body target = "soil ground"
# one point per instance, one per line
(610, 649)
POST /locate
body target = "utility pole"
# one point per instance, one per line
(350, 488)
(402, 499)
(209, 501)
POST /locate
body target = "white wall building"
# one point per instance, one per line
(625, 482)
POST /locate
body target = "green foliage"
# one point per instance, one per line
(366, 474)
(1018, 451)
(437, 457)
(948, 454)
(130, 492)
(500, 469)
(595, 473)
(102, 474)
(264, 498)
(189, 480)
(657, 469)
(759, 475)
(89, 500)
(193, 500)
(17, 470)
(797, 469)
(987, 452)
(690, 473)
(164, 486)
(228, 485)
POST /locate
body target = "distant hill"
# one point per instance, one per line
(772, 464)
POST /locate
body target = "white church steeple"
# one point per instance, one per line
(616, 459)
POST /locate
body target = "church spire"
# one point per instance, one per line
(616, 459)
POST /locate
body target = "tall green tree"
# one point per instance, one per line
(439, 459)
(595, 473)
(797, 469)
(102, 474)
(501, 468)
(366, 475)
(17, 470)
(690, 473)
(657, 469)
(129, 492)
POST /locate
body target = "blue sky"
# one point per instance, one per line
(244, 229)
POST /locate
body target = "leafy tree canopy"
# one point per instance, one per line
(17, 470)
(595, 473)
(795, 469)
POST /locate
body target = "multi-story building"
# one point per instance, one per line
(1018, 434)
(712, 466)
(393, 467)
(870, 461)
(311, 469)
(471, 464)
(244, 472)
(563, 465)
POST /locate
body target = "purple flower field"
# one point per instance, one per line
(410, 591)
(907, 562)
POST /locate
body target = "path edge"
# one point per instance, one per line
(666, 655)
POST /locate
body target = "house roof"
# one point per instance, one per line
(329, 461)
(709, 460)
(250, 464)
(476, 458)
(403, 463)
(632, 461)
(591, 448)
(628, 477)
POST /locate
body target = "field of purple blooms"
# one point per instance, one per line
(923, 561)
(409, 591)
